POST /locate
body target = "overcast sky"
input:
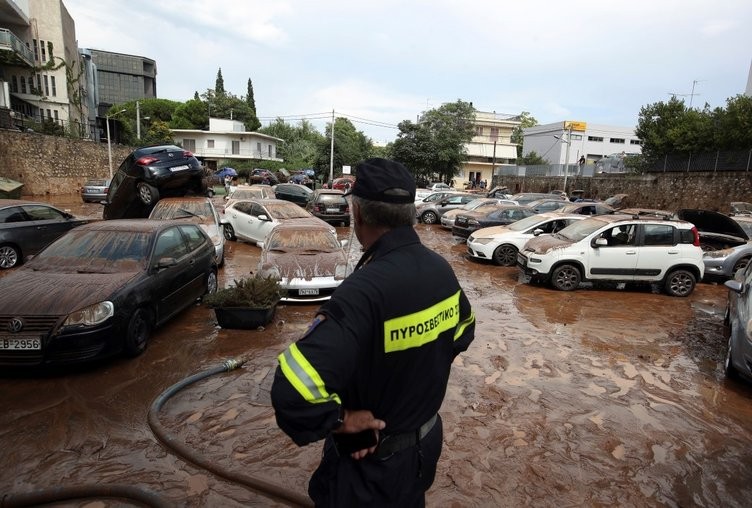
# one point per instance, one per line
(385, 61)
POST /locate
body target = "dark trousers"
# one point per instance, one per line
(401, 479)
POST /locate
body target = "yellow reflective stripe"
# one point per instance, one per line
(303, 377)
(422, 327)
(462, 326)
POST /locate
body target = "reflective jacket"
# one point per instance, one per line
(391, 332)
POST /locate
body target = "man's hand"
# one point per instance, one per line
(358, 421)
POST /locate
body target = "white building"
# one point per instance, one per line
(227, 140)
(490, 147)
(592, 141)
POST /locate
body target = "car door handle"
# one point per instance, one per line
(631, 252)
(673, 252)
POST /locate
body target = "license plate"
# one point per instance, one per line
(521, 259)
(332, 210)
(179, 168)
(308, 292)
(20, 343)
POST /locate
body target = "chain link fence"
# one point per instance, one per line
(728, 160)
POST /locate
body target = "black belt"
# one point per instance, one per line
(393, 443)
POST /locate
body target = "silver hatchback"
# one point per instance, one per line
(95, 190)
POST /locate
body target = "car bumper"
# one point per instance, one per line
(93, 198)
(309, 290)
(67, 348)
(480, 251)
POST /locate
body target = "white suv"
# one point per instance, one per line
(617, 248)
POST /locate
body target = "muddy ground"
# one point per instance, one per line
(595, 397)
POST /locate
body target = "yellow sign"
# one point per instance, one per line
(575, 126)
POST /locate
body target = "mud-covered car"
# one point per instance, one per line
(308, 259)
(430, 212)
(736, 325)
(27, 226)
(726, 241)
(487, 216)
(95, 190)
(330, 205)
(148, 174)
(100, 290)
(617, 248)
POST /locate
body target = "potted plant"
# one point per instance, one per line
(249, 303)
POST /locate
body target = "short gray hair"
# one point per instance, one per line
(391, 215)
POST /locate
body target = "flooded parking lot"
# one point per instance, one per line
(592, 397)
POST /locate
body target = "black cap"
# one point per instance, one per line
(383, 180)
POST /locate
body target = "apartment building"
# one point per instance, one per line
(490, 147)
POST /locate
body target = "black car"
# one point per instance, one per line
(487, 216)
(151, 173)
(298, 194)
(330, 205)
(26, 227)
(100, 289)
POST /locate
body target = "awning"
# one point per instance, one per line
(487, 151)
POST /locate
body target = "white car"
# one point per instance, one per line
(617, 248)
(501, 244)
(438, 186)
(194, 209)
(309, 261)
(447, 220)
(252, 219)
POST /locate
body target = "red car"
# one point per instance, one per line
(344, 183)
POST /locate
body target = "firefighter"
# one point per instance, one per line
(370, 373)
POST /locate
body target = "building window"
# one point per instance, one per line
(478, 130)
(54, 88)
(189, 144)
(36, 50)
(595, 138)
(39, 85)
(270, 152)
(49, 114)
(209, 143)
(258, 148)
(617, 140)
(23, 84)
(635, 142)
(494, 133)
(56, 117)
(236, 147)
(576, 137)
(14, 84)
(46, 86)
(42, 50)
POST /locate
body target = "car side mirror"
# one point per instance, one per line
(600, 242)
(537, 232)
(260, 245)
(735, 285)
(263, 216)
(166, 263)
(344, 243)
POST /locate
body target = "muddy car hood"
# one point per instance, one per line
(304, 265)
(544, 243)
(707, 221)
(30, 292)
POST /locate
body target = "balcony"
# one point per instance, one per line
(13, 51)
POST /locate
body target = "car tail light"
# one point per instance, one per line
(146, 160)
(696, 234)
(187, 154)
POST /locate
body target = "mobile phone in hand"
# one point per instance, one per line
(347, 443)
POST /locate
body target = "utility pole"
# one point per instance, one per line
(138, 121)
(566, 157)
(331, 153)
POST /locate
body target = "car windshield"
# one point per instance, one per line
(526, 223)
(247, 194)
(580, 229)
(475, 203)
(287, 211)
(746, 226)
(95, 252)
(306, 240)
(177, 209)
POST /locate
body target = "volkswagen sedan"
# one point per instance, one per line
(100, 290)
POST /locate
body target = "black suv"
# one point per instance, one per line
(330, 205)
(148, 174)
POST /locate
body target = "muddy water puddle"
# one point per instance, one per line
(593, 397)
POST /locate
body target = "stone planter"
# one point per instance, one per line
(243, 318)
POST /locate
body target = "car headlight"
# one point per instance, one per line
(270, 271)
(717, 253)
(91, 315)
(473, 222)
(341, 271)
(482, 241)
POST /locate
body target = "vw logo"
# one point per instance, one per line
(15, 325)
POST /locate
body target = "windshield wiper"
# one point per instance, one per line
(188, 212)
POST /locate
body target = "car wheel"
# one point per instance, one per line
(566, 278)
(148, 194)
(742, 263)
(210, 193)
(505, 255)
(211, 282)
(9, 256)
(138, 332)
(429, 218)
(229, 233)
(347, 223)
(728, 365)
(679, 283)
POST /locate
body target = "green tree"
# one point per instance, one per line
(531, 159)
(526, 120)
(157, 133)
(229, 106)
(434, 147)
(249, 99)
(193, 114)
(350, 147)
(219, 85)
(734, 124)
(301, 142)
